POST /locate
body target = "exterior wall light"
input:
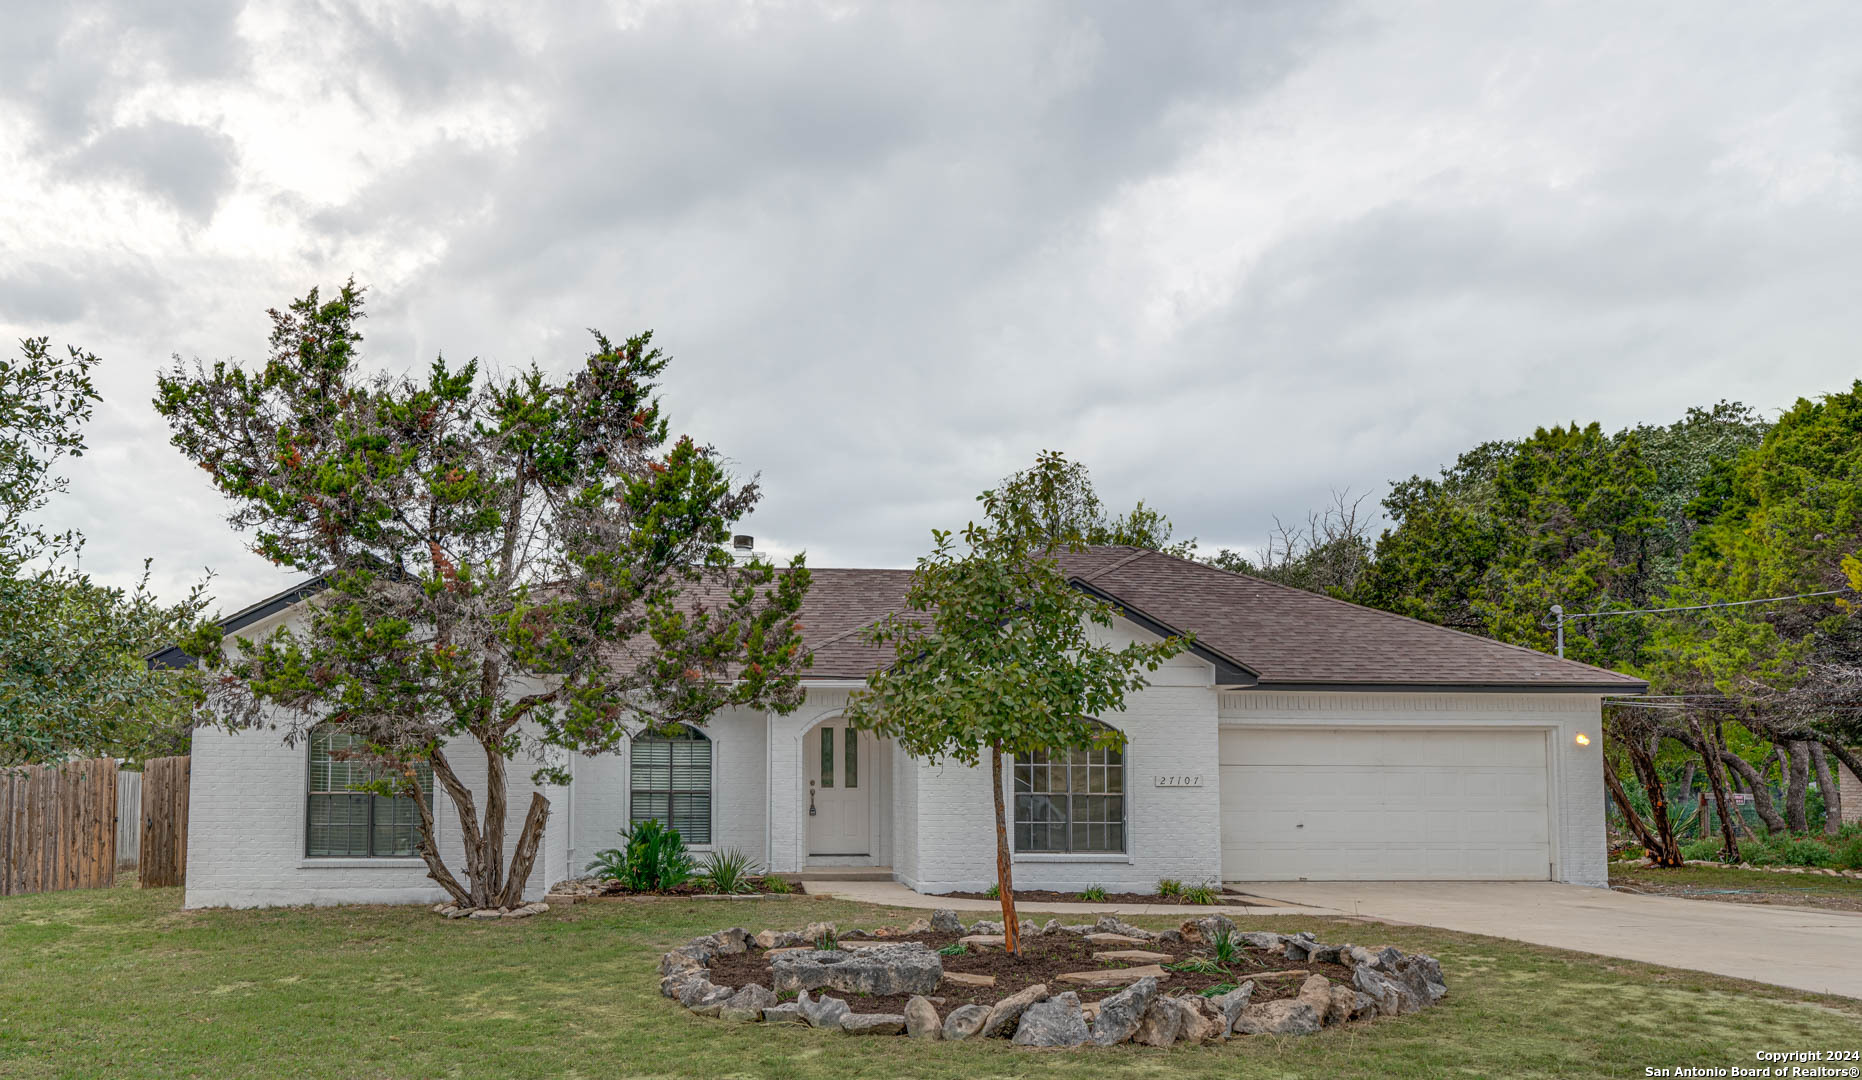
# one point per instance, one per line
(1583, 739)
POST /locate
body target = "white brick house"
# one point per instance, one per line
(1302, 738)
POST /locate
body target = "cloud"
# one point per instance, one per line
(1232, 256)
(190, 168)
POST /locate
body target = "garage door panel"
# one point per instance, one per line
(1339, 804)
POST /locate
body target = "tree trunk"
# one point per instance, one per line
(1829, 789)
(463, 802)
(526, 854)
(1687, 777)
(1797, 784)
(491, 856)
(1710, 756)
(1760, 790)
(1667, 851)
(1005, 883)
(430, 854)
(1636, 824)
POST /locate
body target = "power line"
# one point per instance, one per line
(1559, 616)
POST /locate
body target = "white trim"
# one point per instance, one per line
(351, 862)
(1060, 857)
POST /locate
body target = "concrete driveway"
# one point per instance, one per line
(1801, 948)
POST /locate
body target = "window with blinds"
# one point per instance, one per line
(346, 822)
(670, 781)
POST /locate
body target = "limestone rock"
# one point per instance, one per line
(701, 992)
(1209, 929)
(1051, 926)
(916, 926)
(1317, 992)
(1057, 1021)
(1298, 947)
(945, 921)
(1203, 1022)
(1113, 941)
(747, 1004)
(1260, 939)
(962, 978)
(965, 1021)
(815, 931)
(1388, 997)
(823, 1012)
(1161, 1024)
(897, 968)
(1112, 976)
(1342, 1004)
(1118, 1016)
(986, 926)
(786, 1013)
(1112, 924)
(983, 942)
(1289, 1016)
(1170, 938)
(1232, 1003)
(1324, 954)
(921, 1020)
(1140, 956)
(873, 1024)
(777, 939)
(1006, 1012)
(734, 941)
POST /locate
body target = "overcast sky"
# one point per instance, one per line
(1232, 256)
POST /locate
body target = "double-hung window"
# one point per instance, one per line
(346, 822)
(1070, 801)
(670, 781)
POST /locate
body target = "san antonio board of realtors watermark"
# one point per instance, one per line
(1774, 1063)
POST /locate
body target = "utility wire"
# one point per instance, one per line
(1702, 607)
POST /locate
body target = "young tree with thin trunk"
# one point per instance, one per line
(995, 656)
(524, 564)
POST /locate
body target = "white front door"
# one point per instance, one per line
(839, 773)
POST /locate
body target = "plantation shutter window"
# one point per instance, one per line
(670, 782)
(1070, 801)
(356, 824)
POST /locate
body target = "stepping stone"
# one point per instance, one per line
(966, 979)
(1113, 976)
(1299, 973)
(1114, 940)
(1138, 955)
(983, 942)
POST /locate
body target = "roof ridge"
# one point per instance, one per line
(1395, 615)
(1137, 553)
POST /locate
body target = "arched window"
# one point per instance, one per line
(1070, 801)
(346, 822)
(670, 780)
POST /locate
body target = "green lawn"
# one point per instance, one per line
(1742, 886)
(122, 983)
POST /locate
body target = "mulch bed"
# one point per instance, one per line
(1043, 957)
(1051, 897)
(613, 890)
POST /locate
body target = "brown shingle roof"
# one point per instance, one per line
(1284, 636)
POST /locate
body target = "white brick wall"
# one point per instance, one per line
(246, 824)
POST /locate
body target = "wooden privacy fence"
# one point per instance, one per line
(162, 859)
(128, 818)
(57, 827)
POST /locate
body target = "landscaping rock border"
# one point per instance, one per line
(1384, 982)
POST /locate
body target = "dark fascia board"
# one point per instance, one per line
(1229, 672)
(173, 657)
(1627, 687)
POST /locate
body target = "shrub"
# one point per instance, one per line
(1093, 894)
(652, 858)
(1701, 849)
(1803, 851)
(778, 886)
(994, 892)
(1200, 894)
(1169, 887)
(955, 948)
(1849, 853)
(728, 871)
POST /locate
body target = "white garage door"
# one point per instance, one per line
(1380, 805)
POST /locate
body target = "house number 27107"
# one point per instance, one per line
(1179, 781)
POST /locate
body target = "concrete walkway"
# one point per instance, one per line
(1802, 948)
(893, 894)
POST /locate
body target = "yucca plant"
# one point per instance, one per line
(1093, 894)
(652, 858)
(728, 871)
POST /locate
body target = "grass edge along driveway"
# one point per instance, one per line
(122, 983)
